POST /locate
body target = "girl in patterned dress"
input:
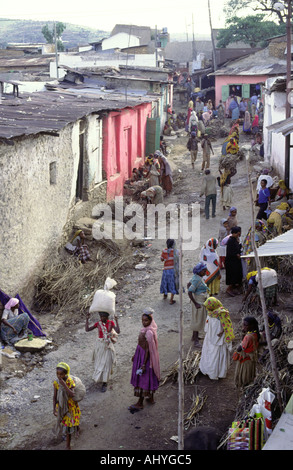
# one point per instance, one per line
(65, 408)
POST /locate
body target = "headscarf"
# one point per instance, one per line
(11, 303)
(282, 184)
(77, 233)
(232, 209)
(199, 267)
(283, 206)
(152, 339)
(215, 309)
(209, 256)
(63, 365)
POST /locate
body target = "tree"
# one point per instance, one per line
(265, 6)
(252, 30)
(50, 35)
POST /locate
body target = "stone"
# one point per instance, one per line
(35, 345)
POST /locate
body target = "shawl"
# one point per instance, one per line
(150, 333)
(11, 303)
(215, 309)
(247, 122)
(209, 256)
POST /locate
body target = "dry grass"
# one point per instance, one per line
(68, 284)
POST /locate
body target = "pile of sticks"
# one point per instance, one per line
(190, 368)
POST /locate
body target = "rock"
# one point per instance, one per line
(35, 345)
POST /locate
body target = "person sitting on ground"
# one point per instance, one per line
(14, 325)
(275, 327)
(78, 247)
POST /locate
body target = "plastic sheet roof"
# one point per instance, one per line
(281, 245)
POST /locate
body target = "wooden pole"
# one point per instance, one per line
(262, 297)
(180, 368)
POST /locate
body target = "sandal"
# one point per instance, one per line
(172, 302)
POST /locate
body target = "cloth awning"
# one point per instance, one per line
(281, 245)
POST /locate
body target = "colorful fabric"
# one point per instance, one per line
(104, 330)
(72, 416)
(147, 383)
(168, 282)
(215, 309)
(210, 257)
(150, 333)
(197, 285)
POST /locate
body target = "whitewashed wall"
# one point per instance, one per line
(113, 60)
(274, 143)
(121, 41)
(33, 210)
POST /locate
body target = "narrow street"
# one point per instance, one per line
(106, 423)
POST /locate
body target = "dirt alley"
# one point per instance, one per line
(106, 423)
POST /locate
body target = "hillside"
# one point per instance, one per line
(30, 31)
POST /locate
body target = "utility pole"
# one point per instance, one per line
(56, 51)
(212, 37)
(288, 93)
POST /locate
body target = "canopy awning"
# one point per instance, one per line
(282, 245)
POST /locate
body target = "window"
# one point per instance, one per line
(53, 172)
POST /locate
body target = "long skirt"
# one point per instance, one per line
(147, 383)
(245, 372)
(226, 197)
(167, 183)
(215, 354)
(198, 315)
(214, 286)
(168, 283)
(104, 357)
(20, 323)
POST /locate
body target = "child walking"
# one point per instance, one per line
(65, 408)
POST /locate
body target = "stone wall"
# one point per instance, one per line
(37, 202)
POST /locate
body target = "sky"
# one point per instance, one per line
(175, 15)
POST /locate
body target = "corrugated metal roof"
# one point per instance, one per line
(51, 111)
(278, 246)
(285, 127)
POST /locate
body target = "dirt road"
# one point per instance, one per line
(106, 423)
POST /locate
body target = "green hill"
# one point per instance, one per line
(30, 31)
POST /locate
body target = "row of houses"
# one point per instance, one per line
(65, 149)
(74, 143)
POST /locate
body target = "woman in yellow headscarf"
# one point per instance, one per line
(282, 194)
(217, 345)
(64, 407)
(276, 217)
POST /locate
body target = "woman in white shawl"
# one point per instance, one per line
(210, 257)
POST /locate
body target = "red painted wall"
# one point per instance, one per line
(124, 141)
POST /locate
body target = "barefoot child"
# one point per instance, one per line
(64, 406)
(146, 364)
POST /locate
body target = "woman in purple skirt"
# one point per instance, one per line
(145, 375)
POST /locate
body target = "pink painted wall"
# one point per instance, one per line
(124, 141)
(235, 80)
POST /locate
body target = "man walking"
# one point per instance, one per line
(192, 147)
(209, 189)
(206, 152)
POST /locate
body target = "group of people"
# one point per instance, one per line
(157, 172)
